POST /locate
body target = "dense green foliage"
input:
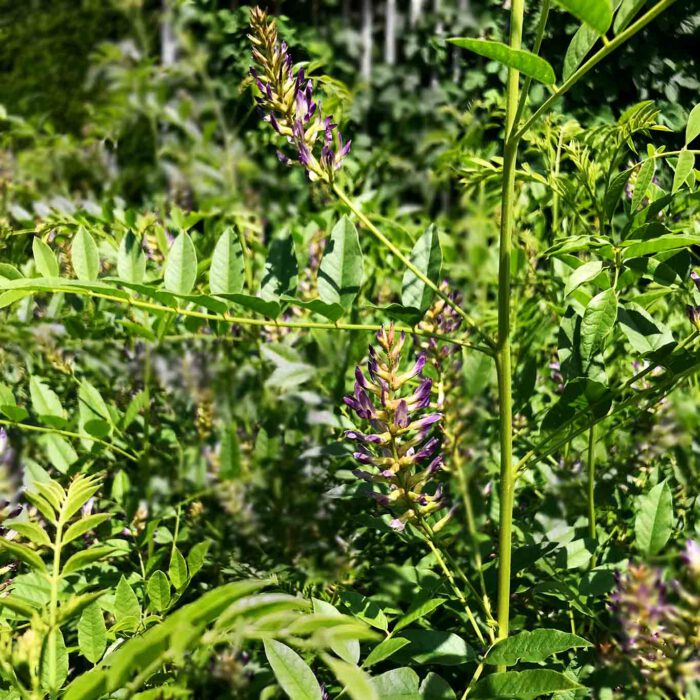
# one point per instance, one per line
(182, 315)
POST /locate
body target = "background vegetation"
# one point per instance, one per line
(215, 447)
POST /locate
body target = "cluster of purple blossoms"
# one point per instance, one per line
(693, 310)
(402, 449)
(660, 638)
(286, 101)
(442, 319)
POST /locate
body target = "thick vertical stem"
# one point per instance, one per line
(503, 353)
(591, 482)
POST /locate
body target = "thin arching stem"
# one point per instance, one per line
(405, 260)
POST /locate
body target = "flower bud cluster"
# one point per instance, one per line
(441, 319)
(401, 452)
(287, 103)
(660, 638)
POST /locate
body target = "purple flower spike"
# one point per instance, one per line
(288, 101)
(400, 444)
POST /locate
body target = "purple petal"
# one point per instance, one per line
(401, 416)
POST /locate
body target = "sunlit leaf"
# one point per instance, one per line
(524, 61)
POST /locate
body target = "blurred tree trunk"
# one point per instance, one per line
(366, 65)
(416, 11)
(390, 33)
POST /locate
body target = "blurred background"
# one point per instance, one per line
(147, 102)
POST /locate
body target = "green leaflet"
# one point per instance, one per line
(692, 129)
(84, 256)
(226, 271)
(524, 61)
(177, 571)
(532, 647)
(44, 259)
(625, 14)
(385, 649)
(54, 661)
(654, 522)
(598, 321)
(644, 178)
(581, 43)
(158, 589)
(356, 682)
(341, 271)
(643, 333)
(522, 685)
(127, 611)
(281, 270)
(92, 633)
(131, 260)
(346, 649)
(595, 13)
(45, 402)
(684, 166)
(418, 611)
(181, 265)
(427, 258)
(398, 684)
(292, 673)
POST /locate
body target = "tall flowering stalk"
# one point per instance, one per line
(286, 102)
(401, 447)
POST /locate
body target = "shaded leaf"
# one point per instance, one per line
(280, 275)
(131, 259)
(644, 334)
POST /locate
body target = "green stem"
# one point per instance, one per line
(451, 579)
(539, 36)
(420, 275)
(245, 321)
(475, 678)
(593, 61)
(69, 434)
(503, 348)
(591, 482)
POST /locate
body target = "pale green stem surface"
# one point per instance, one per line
(503, 348)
